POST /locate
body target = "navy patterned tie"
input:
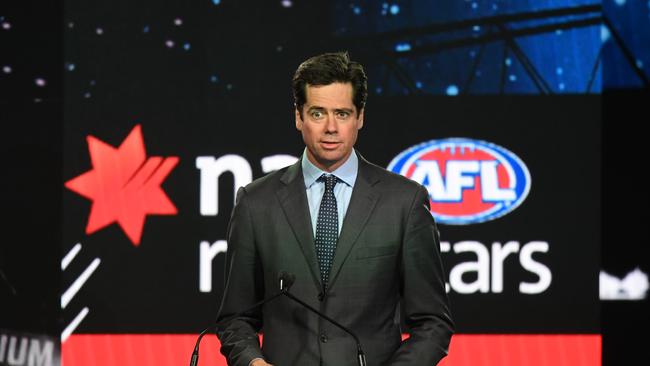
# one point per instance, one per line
(327, 228)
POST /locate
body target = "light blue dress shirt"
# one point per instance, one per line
(346, 173)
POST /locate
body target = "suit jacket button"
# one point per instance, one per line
(323, 338)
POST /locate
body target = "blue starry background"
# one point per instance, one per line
(448, 47)
(409, 47)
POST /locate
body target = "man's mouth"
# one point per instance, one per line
(330, 144)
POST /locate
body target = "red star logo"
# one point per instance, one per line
(124, 185)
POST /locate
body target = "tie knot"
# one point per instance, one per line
(330, 181)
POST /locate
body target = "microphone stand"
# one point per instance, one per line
(195, 355)
(286, 281)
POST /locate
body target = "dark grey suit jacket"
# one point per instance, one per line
(388, 251)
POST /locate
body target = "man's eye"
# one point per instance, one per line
(317, 114)
(342, 115)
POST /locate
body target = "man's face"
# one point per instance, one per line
(329, 124)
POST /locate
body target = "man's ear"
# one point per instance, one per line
(298, 118)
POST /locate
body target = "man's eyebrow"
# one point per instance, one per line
(318, 108)
(348, 110)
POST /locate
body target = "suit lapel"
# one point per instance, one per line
(293, 200)
(363, 201)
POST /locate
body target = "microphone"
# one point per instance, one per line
(289, 279)
(286, 281)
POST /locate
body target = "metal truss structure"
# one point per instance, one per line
(504, 29)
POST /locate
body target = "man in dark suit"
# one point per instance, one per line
(359, 239)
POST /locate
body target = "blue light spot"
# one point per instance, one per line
(214, 79)
(639, 64)
(216, 2)
(512, 77)
(604, 34)
(474, 6)
(508, 61)
(562, 86)
(186, 46)
(384, 6)
(71, 67)
(378, 90)
(559, 71)
(418, 84)
(394, 9)
(145, 29)
(452, 90)
(476, 28)
(356, 10)
(402, 47)
(620, 2)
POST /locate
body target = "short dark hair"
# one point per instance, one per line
(326, 69)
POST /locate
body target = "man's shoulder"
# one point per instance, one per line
(270, 181)
(390, 179)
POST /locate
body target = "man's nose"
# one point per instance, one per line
(330, 124)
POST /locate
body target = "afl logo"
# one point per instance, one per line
(469, 181)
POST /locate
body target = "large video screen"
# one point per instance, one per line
(171, 107)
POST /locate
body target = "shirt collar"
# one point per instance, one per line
(347, 172)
